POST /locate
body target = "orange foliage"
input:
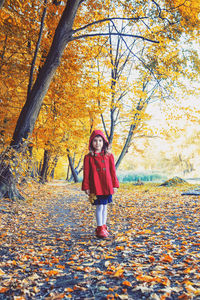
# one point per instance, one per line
(81, 90)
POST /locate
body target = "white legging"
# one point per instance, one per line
(101, 214)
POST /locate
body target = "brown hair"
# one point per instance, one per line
(105, 147)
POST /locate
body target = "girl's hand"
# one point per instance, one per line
(115, 190)
(87, 192)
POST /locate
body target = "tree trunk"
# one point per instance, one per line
(112, 126)
(39, 168)
(74, 174)
(31, 109)
(140, 107)
(67, 178)
(78, 165)
(53, 169)
(1, 3)
(81, 169)
(126, 145)
(31, 167)
(43, 174)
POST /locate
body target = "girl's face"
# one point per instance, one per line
(97, 143)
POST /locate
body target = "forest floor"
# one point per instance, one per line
(48, 248)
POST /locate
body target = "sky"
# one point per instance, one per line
(179, 124)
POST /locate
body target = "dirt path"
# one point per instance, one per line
(49, 250)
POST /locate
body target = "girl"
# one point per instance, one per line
(99, 178)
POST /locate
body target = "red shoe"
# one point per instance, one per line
(101, 232)
(106, 229)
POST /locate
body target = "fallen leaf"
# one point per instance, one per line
(126, 283)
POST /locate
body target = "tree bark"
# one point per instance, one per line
(54, 166)
(140, 107)
(67, 177)
(74, 174)
(1, 3)
(126, 145)
(43, 174)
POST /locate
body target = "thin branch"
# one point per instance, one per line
(104, 126)
(114, 33)
(99, 104)
(37, 48)
(103, 121)
(117, 117)
(135, 54)
(3, 52)
(126, 60)
(123, 94)
(78, 165)
(107, 20)
(116, 63)
(8, 58)
(146, 136)
(110, 48)
(150, 70)
(143, 63)
(160, 11)
(122, 121)
(101, 48)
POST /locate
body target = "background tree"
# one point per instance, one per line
(155, 71)
(160, 23)
(29, 113)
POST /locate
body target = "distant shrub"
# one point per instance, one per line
(129, 176)
(174, 181)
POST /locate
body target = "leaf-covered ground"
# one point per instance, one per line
(49, 250)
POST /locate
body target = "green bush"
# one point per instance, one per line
(129, 176)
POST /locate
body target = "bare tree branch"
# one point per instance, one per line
(107, 20)
(37, 48)
(146, 136)
(160, 11)
(3, 51)
(113, 33)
